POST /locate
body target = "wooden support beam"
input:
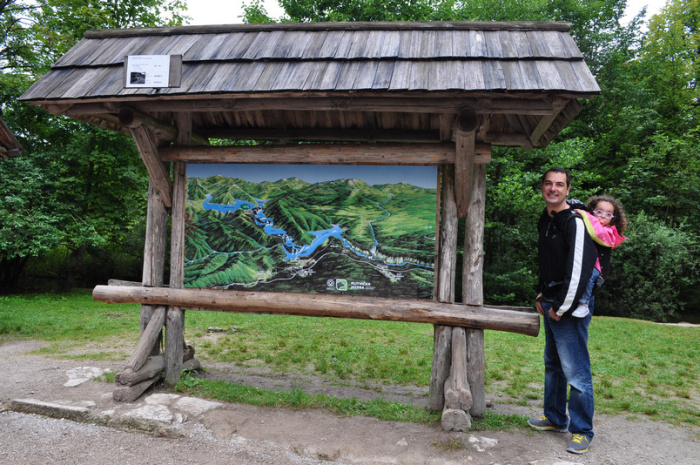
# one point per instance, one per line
(175, 321)
(457, 392)
(465, 144)
(319, 135)
(148, 339)
(546, 122)
(165, 132)
(146, 143)
(154, 254)
(133, 119)
(445, 286)
(320, 305)
(473, 288)
(322, 154)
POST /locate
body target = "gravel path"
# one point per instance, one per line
(241, 434)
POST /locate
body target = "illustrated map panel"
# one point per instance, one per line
(357, 230)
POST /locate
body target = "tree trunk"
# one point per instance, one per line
(75, 259)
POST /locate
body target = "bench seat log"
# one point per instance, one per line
(372, 308)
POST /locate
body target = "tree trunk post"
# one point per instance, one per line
(445, 287)
(472, 287)
(175, 320)
(154, 254)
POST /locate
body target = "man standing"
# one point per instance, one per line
(567, 256)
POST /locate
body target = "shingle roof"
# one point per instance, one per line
(471, 64)
(386, 57)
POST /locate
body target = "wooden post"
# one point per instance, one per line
(445, 287)
(472, 287)
(175, 321)
(465, 156)
(154, 254)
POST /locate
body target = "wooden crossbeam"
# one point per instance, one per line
(372, 308)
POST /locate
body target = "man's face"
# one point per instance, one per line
(555, 190)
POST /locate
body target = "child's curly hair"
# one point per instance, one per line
(620, 220)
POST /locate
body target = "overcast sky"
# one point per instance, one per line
(228, 11)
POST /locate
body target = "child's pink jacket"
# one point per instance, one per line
(606, 236)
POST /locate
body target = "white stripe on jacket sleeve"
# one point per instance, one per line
(576, 268)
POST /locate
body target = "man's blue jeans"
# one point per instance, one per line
(566, 361)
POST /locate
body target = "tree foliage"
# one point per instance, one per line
(637, 141)
(77, 187)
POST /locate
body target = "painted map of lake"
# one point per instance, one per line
(356, 230)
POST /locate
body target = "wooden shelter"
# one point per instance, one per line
(9, 147)
(419, 93)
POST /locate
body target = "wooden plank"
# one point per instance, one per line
(366, 73)
(256, 45)
(181, 46)
(405, 39)
(238, 44)
(477, 45)
(331, 306)
(473, 73)
(348, 75)
(585, 78)
(314, 45)
(492, 40)
(444, 44)
(297, 41)
(373, 49)
(366, 154)
(344, 45)
(571, 48)
(273, 46)
(331, 44)
(383, 76)
(460, 44)
(391, 42)
(549, 73)
(331, 74)
(331, 26)
(358, 45)
(248, 77)
(508, 46)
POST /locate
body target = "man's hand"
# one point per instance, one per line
(538, 304)
(553, 315)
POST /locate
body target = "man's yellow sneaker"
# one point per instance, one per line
(543, 424)
(579, 444)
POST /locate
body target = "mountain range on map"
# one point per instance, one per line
(341, 236)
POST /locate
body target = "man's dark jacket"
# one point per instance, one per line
(567, 256)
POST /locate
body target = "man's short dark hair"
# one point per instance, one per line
(557, 169)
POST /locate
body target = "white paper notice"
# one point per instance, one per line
(148, 71)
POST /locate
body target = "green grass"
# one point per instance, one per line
(640, 369)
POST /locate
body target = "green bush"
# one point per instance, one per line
(649, 272)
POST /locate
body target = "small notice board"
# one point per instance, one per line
(155, 71)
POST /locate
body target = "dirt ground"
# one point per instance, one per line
(242, 434)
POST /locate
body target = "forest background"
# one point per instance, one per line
(72, 207)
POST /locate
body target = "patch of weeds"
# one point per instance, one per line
(452, 445)
(499, 422)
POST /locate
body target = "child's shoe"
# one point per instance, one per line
(581, 311)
